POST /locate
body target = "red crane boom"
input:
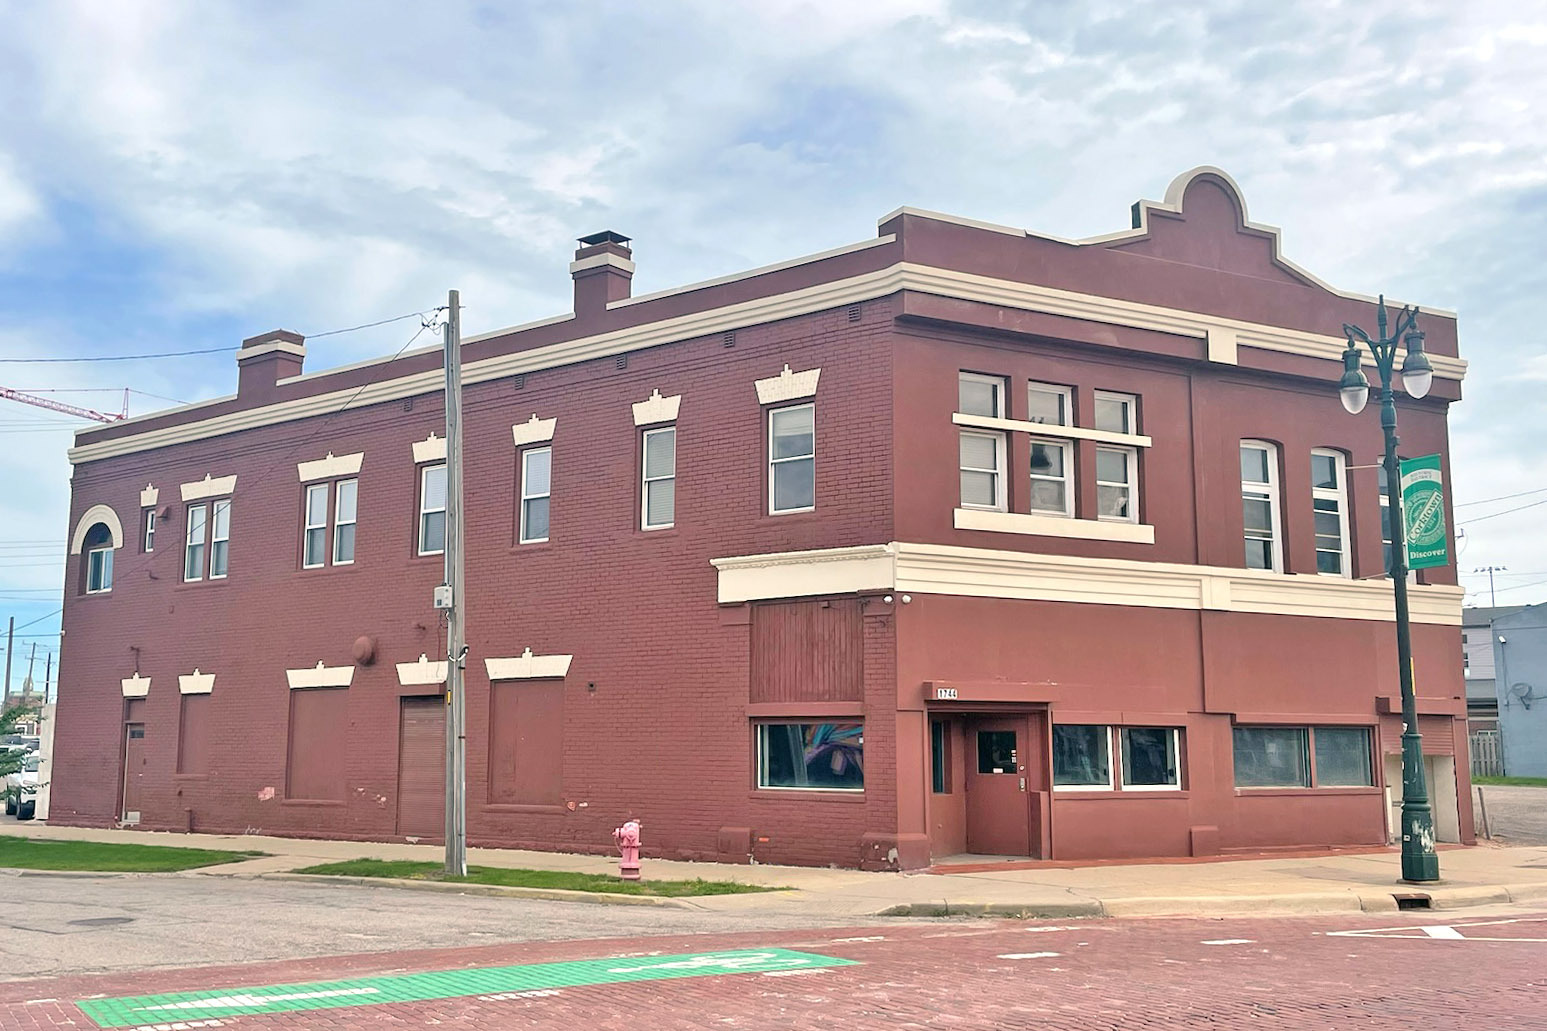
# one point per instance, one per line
(60, 406)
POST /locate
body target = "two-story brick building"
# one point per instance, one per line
(961, 539)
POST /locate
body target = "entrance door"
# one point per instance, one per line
(998, 811)
(421, 769)
(134, 770)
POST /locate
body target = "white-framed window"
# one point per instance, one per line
(1117, 484)
(982, 470)
(99, 569)
(198, 527)
(1052, 468)
(981, 453)
(1116, 413)
(792, 459)
(1260, 506)
(1082, 757)
(1150, 758)
(346, 506)
(432, 510)
(148, 541)
(536, 491)
(220, 539)
(811, 756)
(658, 491)
(314, 537)
(1049, 405)
(1329, 502)
(977, 394)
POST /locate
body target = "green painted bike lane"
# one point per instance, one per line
(135, 1011)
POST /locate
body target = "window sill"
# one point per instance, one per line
(527, 808)
(1042, 429)
(807, 795)
(1054, 526)
(194, 585)
(1272, 792)
(313, 803)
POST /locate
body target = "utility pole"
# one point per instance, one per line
(26, 685)
(456, 613)
(10, 637)
(1493, 598)
(48, 674)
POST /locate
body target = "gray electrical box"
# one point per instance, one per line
(443, 596)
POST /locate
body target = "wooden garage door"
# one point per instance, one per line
(421, 770)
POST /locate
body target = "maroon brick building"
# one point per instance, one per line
(961, 539)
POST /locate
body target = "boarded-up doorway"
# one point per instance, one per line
(134, 763)
(421, 768)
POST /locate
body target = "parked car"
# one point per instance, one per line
(21, 789)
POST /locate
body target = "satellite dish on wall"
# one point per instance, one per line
(1524, 692)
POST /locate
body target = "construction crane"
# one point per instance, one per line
(60, 406)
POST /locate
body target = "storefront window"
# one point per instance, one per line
(1082, 756)
(1149, 757)
(1271, 757)
(811, 756)
(1343, 757)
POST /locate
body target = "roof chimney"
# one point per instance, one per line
(602, 270)
(266, 359)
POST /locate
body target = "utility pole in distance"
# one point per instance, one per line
(10, 638)
(456, 612)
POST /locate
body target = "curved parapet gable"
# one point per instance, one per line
(91, 517)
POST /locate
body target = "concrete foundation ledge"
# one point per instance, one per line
(497, 890)
(1009, 910)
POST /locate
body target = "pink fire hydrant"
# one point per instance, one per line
(627, 837)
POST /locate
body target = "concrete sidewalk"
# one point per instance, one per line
(1330, 882)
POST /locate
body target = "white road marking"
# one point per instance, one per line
(846, 941)
(223, 1001)
(1442, 931)
(1028, 955)
(1230, 941)
(794, 973)
(1451, 932)
(536, 993)
(1044, 930)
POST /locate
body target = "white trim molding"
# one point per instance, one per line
(149, 496)
(806, 300)
(656, 409)
(430, 449)
(1045, 429)
(271, 347)
(787, 386)
(606, 259)
(1037, 525)
(1221, 345)
(533, 431)
(422, 673)
(320, 676)
(91, 517)
(135, 686)
(196, 682)
(330, 467)
(527, 666)
(209, 487)
(984, 573)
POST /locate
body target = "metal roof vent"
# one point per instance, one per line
(605, 236)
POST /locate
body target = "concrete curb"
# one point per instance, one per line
(603, 898)
(1008, 910)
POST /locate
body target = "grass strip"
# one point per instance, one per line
(568, 881)
(17, 853)
(1516, 782)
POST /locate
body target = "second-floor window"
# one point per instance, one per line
(792, 459)
(432, 510)
(981, 453)
(658, 493)
(1259, 505)
(536, 490)
(344, 510)
(99, 559)
(1329, 501)
(209, 537)
(148, 540)
(1117, 484)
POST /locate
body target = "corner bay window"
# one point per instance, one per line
(811, 756)
(1149, 757)
(1282, 757)
(792, 459)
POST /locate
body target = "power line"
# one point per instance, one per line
(1503, 497)
(1507, 511)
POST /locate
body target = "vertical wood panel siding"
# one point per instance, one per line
(808, 651)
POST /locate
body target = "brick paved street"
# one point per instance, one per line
(1230, 973)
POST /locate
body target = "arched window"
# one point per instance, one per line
(97, 560)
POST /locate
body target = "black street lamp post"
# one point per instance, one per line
(1419, 860)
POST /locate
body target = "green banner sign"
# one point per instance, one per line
(1423, 513)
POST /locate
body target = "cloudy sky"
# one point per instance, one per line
(176, 176)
